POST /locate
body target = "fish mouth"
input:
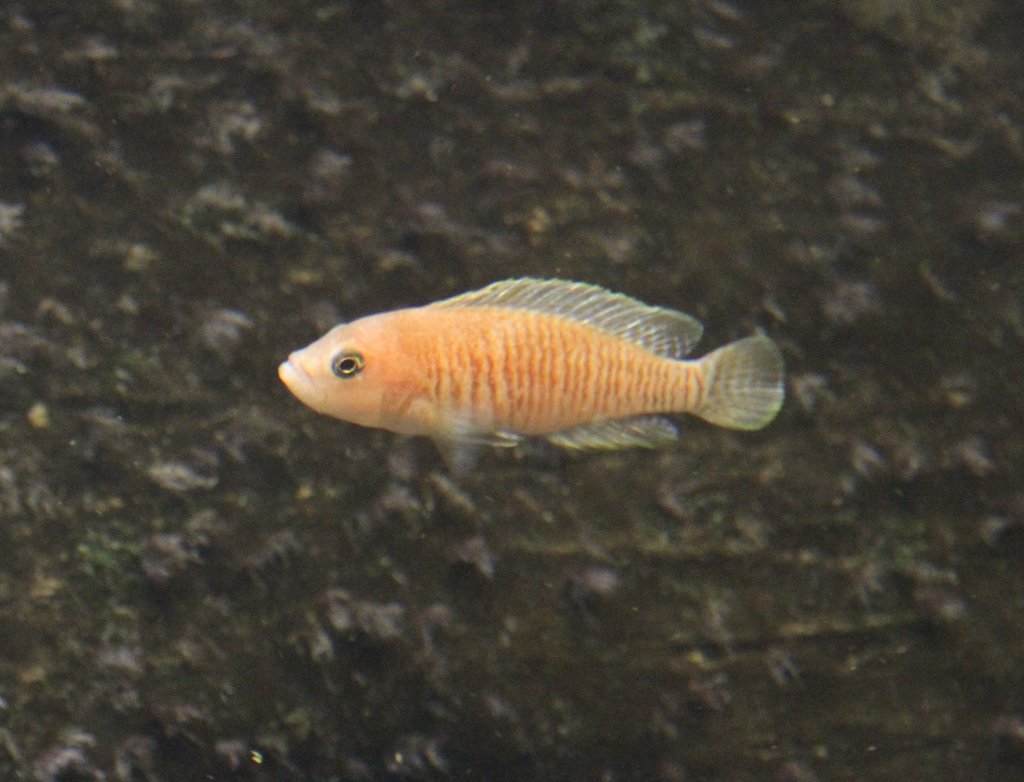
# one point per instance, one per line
(296, 379)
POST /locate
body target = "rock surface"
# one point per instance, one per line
(203, 580)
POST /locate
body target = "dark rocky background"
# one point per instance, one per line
(201, 579)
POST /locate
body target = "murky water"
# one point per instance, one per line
(202, 579)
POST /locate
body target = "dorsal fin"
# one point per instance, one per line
(662, 331)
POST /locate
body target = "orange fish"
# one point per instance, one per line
(572, 362)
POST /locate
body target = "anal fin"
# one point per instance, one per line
(647, 431)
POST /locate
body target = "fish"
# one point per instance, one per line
(572, 362)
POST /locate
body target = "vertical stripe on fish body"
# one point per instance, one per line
(537, 374)
(585, 367)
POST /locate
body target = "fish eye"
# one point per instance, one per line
(347, 364)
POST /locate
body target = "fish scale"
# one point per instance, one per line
(607, 378)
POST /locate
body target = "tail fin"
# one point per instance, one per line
(745, 384)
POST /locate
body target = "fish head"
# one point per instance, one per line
(354, 372)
